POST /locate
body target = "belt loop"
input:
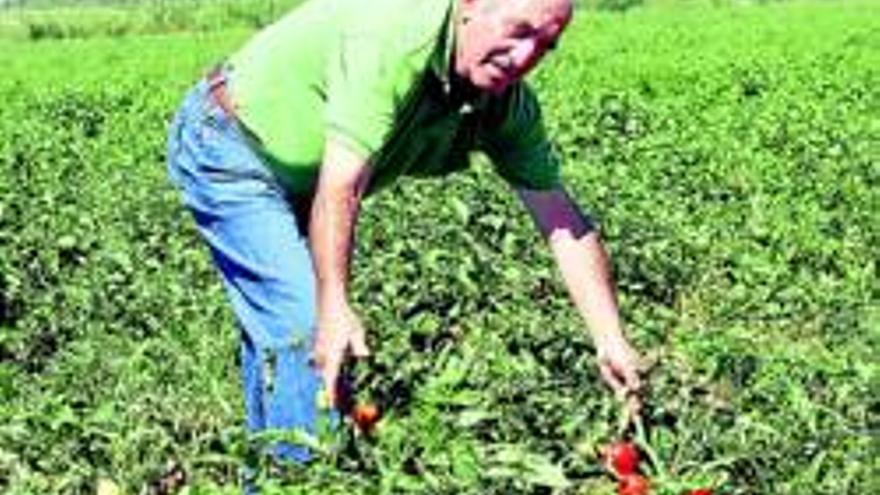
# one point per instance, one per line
(216, 76)
(217, 80)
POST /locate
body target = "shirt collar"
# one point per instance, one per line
(441, 63)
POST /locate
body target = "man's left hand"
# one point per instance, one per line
(620, 366)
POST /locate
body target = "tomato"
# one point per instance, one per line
(633, 484)
(700, 491)
(622, 458)
(365, 416)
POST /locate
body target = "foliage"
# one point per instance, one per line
(115, 19)
(730, 155)
(617, 5)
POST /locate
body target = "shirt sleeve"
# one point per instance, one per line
(367, 76)
(514, 138)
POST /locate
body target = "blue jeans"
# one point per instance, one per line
(249, 223)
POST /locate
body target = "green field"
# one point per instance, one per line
(731, 155)
(63, 19)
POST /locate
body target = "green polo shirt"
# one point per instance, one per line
(376, 75)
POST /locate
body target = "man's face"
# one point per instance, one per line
(499, 41)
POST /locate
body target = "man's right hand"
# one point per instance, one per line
(340, 335)
(342, 182)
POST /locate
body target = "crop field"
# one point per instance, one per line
(64, 19)
(731, 155)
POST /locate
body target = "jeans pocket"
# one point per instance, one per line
(213, 122)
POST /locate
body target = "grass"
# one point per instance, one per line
(730, 155)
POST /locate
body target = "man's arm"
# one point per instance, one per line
(586, 271)
(342, 181)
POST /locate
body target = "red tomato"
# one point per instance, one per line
(700, 491)
(365, 416)
(622, 458)
(633, 484)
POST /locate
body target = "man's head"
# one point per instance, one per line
(499, 41)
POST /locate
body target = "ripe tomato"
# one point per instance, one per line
(622, 458)
(633, 484)
(700, 491)
(365, 416)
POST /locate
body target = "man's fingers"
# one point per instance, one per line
(359, 347)
(329, 364)
(633, 382)
(330, 374)
(337, 340)
(625, 381)
(611, 378)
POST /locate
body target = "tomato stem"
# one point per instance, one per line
(642, 442)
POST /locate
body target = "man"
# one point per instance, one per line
(274, 153)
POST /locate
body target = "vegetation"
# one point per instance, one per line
(59, 20)
(730, 155)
